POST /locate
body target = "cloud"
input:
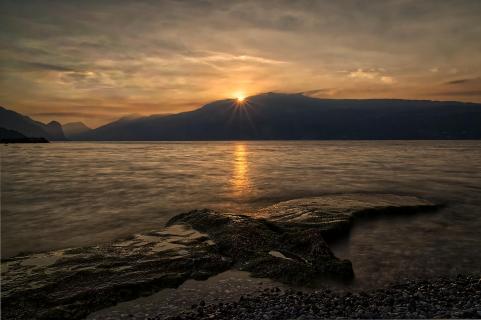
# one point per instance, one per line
(361, 74)
(315, 91)
(62, 114)
(371, 75)
(320, 93)
(453, 70)
(464, 87)
(227, 57)
(170, 52)
(387, 79)
(19, 65)
(466, 81)
(47, 66)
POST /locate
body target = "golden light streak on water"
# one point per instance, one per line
(240, 178)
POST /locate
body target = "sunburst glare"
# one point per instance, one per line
(240, 97)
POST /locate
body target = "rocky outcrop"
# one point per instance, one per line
(289, 253)
(285, 242)
(70, 284)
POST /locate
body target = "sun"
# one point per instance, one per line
(240, 97)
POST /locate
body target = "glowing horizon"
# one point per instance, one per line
(98, 61)
(240, 96)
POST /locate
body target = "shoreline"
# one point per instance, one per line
(443, 297)
(284, 242)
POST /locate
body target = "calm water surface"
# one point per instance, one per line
(62, 195)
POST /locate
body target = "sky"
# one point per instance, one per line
(96, 61)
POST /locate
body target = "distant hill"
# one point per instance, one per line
(30, 128)
(74, 128)
(113, 126)
(295, 116)
(11, 136)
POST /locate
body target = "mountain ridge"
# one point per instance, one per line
(74, 128)
(30, 128)
(284, 116)
(281, 116)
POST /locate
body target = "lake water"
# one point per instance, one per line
(61, 195)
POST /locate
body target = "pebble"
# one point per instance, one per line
(410, 299)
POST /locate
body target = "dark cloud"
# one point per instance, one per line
(26, 65)
(315, 92)
(465, 81)
(460, 81)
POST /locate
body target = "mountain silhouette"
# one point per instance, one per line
(12, 120)
(74, 128)
(12, 136)
(296, 116)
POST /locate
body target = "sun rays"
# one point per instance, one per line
(240, 97)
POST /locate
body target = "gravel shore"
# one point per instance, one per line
(454, 297)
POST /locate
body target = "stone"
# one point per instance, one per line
(248, 242)
(75, 282)
(334, 214)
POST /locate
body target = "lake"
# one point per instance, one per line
(62, 195)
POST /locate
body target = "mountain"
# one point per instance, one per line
(111, 127)
(30, 128)
(295, 116)
(11, 136)
(55, 130)
(74, 128)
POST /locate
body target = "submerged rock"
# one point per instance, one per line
(334, 214)
(285, 242)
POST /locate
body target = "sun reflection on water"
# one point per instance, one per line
(240, 178)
